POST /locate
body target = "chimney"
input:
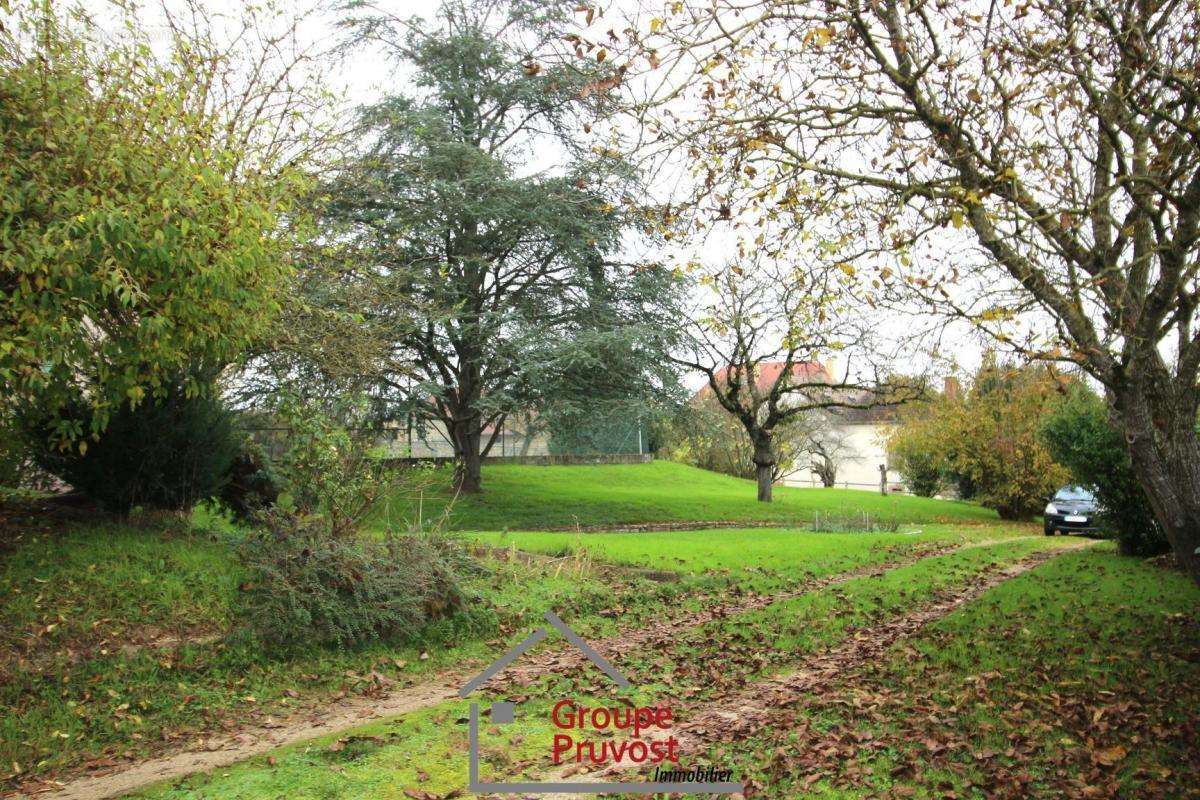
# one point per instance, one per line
(950, 387)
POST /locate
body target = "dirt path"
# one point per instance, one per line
(533, 666)
(743, 714)
(221, 752)
(207, 753)
(761, 705)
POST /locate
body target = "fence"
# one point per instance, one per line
(894, 484)
(542, 460)
(516, 440)
(893, 487)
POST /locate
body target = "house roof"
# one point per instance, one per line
(810, 372)
(768, 372)
(870, 414)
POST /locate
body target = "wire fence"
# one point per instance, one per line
(513, 439)
(894, 485)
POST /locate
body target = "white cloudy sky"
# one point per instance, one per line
(365, 76)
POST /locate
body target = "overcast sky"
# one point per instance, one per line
(364, 76)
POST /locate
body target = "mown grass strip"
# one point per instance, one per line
(520, 497)
(737, 550)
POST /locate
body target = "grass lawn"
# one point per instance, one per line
(519, 497)
(1029, 691)
(739, 550)
(116, 640)
(425, 752)
(1079, 679)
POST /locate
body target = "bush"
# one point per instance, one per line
(918, 467)
(314, 578)
(1081, 436)
(328, 473)
(308, 586)
(13, 456)
(18, 469)
(253, 485)
(987, 442)
(165, 454)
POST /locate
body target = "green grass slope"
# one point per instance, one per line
(737, 552)
(540, 497)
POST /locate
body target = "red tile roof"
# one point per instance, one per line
(770, 371)
(810, 372)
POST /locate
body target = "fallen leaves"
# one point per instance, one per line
(421, 794)
(1109, 756)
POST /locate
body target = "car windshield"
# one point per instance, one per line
(1074, 493)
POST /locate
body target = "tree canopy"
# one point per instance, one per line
(486, 228)
(145, 230)
(991, 436)
(1032, 168)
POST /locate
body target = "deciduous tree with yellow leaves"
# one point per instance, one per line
(148, 204)
(991, 436)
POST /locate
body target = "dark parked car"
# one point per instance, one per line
(1072, 510)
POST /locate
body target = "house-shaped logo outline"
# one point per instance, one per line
(641, 787)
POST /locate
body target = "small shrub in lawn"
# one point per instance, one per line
(328, 472)
(253, 484)
(167, 453)
(307, 586)
(853, 522)
(920, 469)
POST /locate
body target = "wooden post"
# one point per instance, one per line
(883, 479)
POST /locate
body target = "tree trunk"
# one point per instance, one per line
(468, 478)
(468, 473)
(827, 471)
(763, 472)
(764, 466)
(1166, 454)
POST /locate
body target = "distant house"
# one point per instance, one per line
(863, 434)
(417, 437)
(856, 437)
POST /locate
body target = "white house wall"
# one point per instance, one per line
(858, 466)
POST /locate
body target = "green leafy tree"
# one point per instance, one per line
(916, 457)
(601, 389)
(147, 214)
(989, 437)
(482, 224)
(1082, 437)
